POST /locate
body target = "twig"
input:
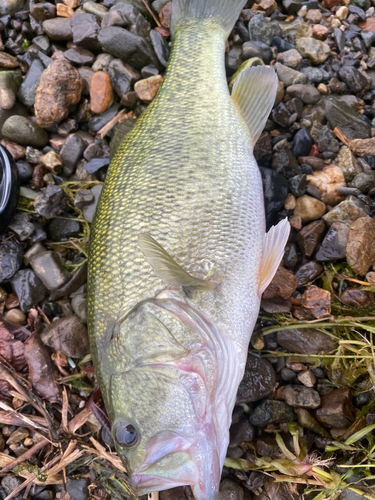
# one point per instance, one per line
(26, 420)
(109, 126)
(152, 13)
(64, 411)
(340, 135)
(25, 456)
(100, 450)
(8, 418)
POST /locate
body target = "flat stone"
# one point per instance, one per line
(307, 93)
(24, 131)
(357, 298)
(161, 48)
(60, 87)
(148, 88)
(72, 152)
(364, 181)
(10, 81)
(7, 61)
(133, 49)
(334, 244)
(97, 9)
(306, 341)
(43, 11)
(89, 210)
(353, 125)
(347, 211)
(309, 208)
(354, 80)
(317, 301)
(127, 16)
(67, 335)
(49, 269)
(283, 285)
(83, 197)
(11, 255)
(101, 92)
(300, 396)
(289, 76)
(123, 76)
(272, 412)
(98, 121)
(310, 236)
(58, 29)
(29, 86)
(28, 288)
(291, 58)
(63, 229)
(348, 163)
(337, 409)
(257, 49)
(258, 382)
(79, 56)
(85, 29)
(360, 251)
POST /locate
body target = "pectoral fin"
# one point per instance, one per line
(273, 251)
(167, 268)
(254, 95)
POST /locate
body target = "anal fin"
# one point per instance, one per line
(254, 95)
(273, 251)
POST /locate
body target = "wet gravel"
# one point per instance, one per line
(75, 74)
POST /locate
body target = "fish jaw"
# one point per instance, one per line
(182, 463)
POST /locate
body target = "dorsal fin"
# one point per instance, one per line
(273, 251)
(254, 95)
(167, 268)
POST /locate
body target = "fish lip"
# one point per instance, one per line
(146, 483)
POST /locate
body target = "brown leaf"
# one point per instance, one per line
(41, 369)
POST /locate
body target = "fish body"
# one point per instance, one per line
(175, 261)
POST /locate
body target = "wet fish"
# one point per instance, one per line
(179, 258)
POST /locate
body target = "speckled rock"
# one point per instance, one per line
(259, 380)
(272, 412)
(306, 341)
(300, 396)
(315, 50)
(48, 267)
(60, 87)
(348, 163)
(347, 211)
(360, 251)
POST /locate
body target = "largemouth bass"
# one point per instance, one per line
(179, 258)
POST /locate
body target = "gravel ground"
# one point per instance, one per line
(72, 76)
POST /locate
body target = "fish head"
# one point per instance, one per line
(163, 418)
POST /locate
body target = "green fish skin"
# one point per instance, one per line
(179, 258)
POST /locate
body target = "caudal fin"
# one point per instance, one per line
(223, 12)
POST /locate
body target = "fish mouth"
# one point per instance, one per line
(167, 464)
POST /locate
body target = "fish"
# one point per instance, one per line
(179, 257)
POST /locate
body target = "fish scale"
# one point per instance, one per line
(186, 181)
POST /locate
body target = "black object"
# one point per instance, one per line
(9, 188)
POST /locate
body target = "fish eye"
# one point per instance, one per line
(125, 434)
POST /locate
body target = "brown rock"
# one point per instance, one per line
(315, 16)
(67, 335)
(330, 4)
(368, 25)
(267, 5)
(8, 61)
(52, 161)
(148, 88)
(337, 409)
(165, 16)
(320, 32)
(306, 341)
(295, 221)
(310, 236)
(290, 202)
(60, 87)
(16, 150)
(283, 285)
(64, 10)
(357, 298)
(101, 92)
(317, 301)
(309, 208)
(362, 147)
(328, 181)
(360, 251)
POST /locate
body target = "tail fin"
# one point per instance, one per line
(224, 12)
